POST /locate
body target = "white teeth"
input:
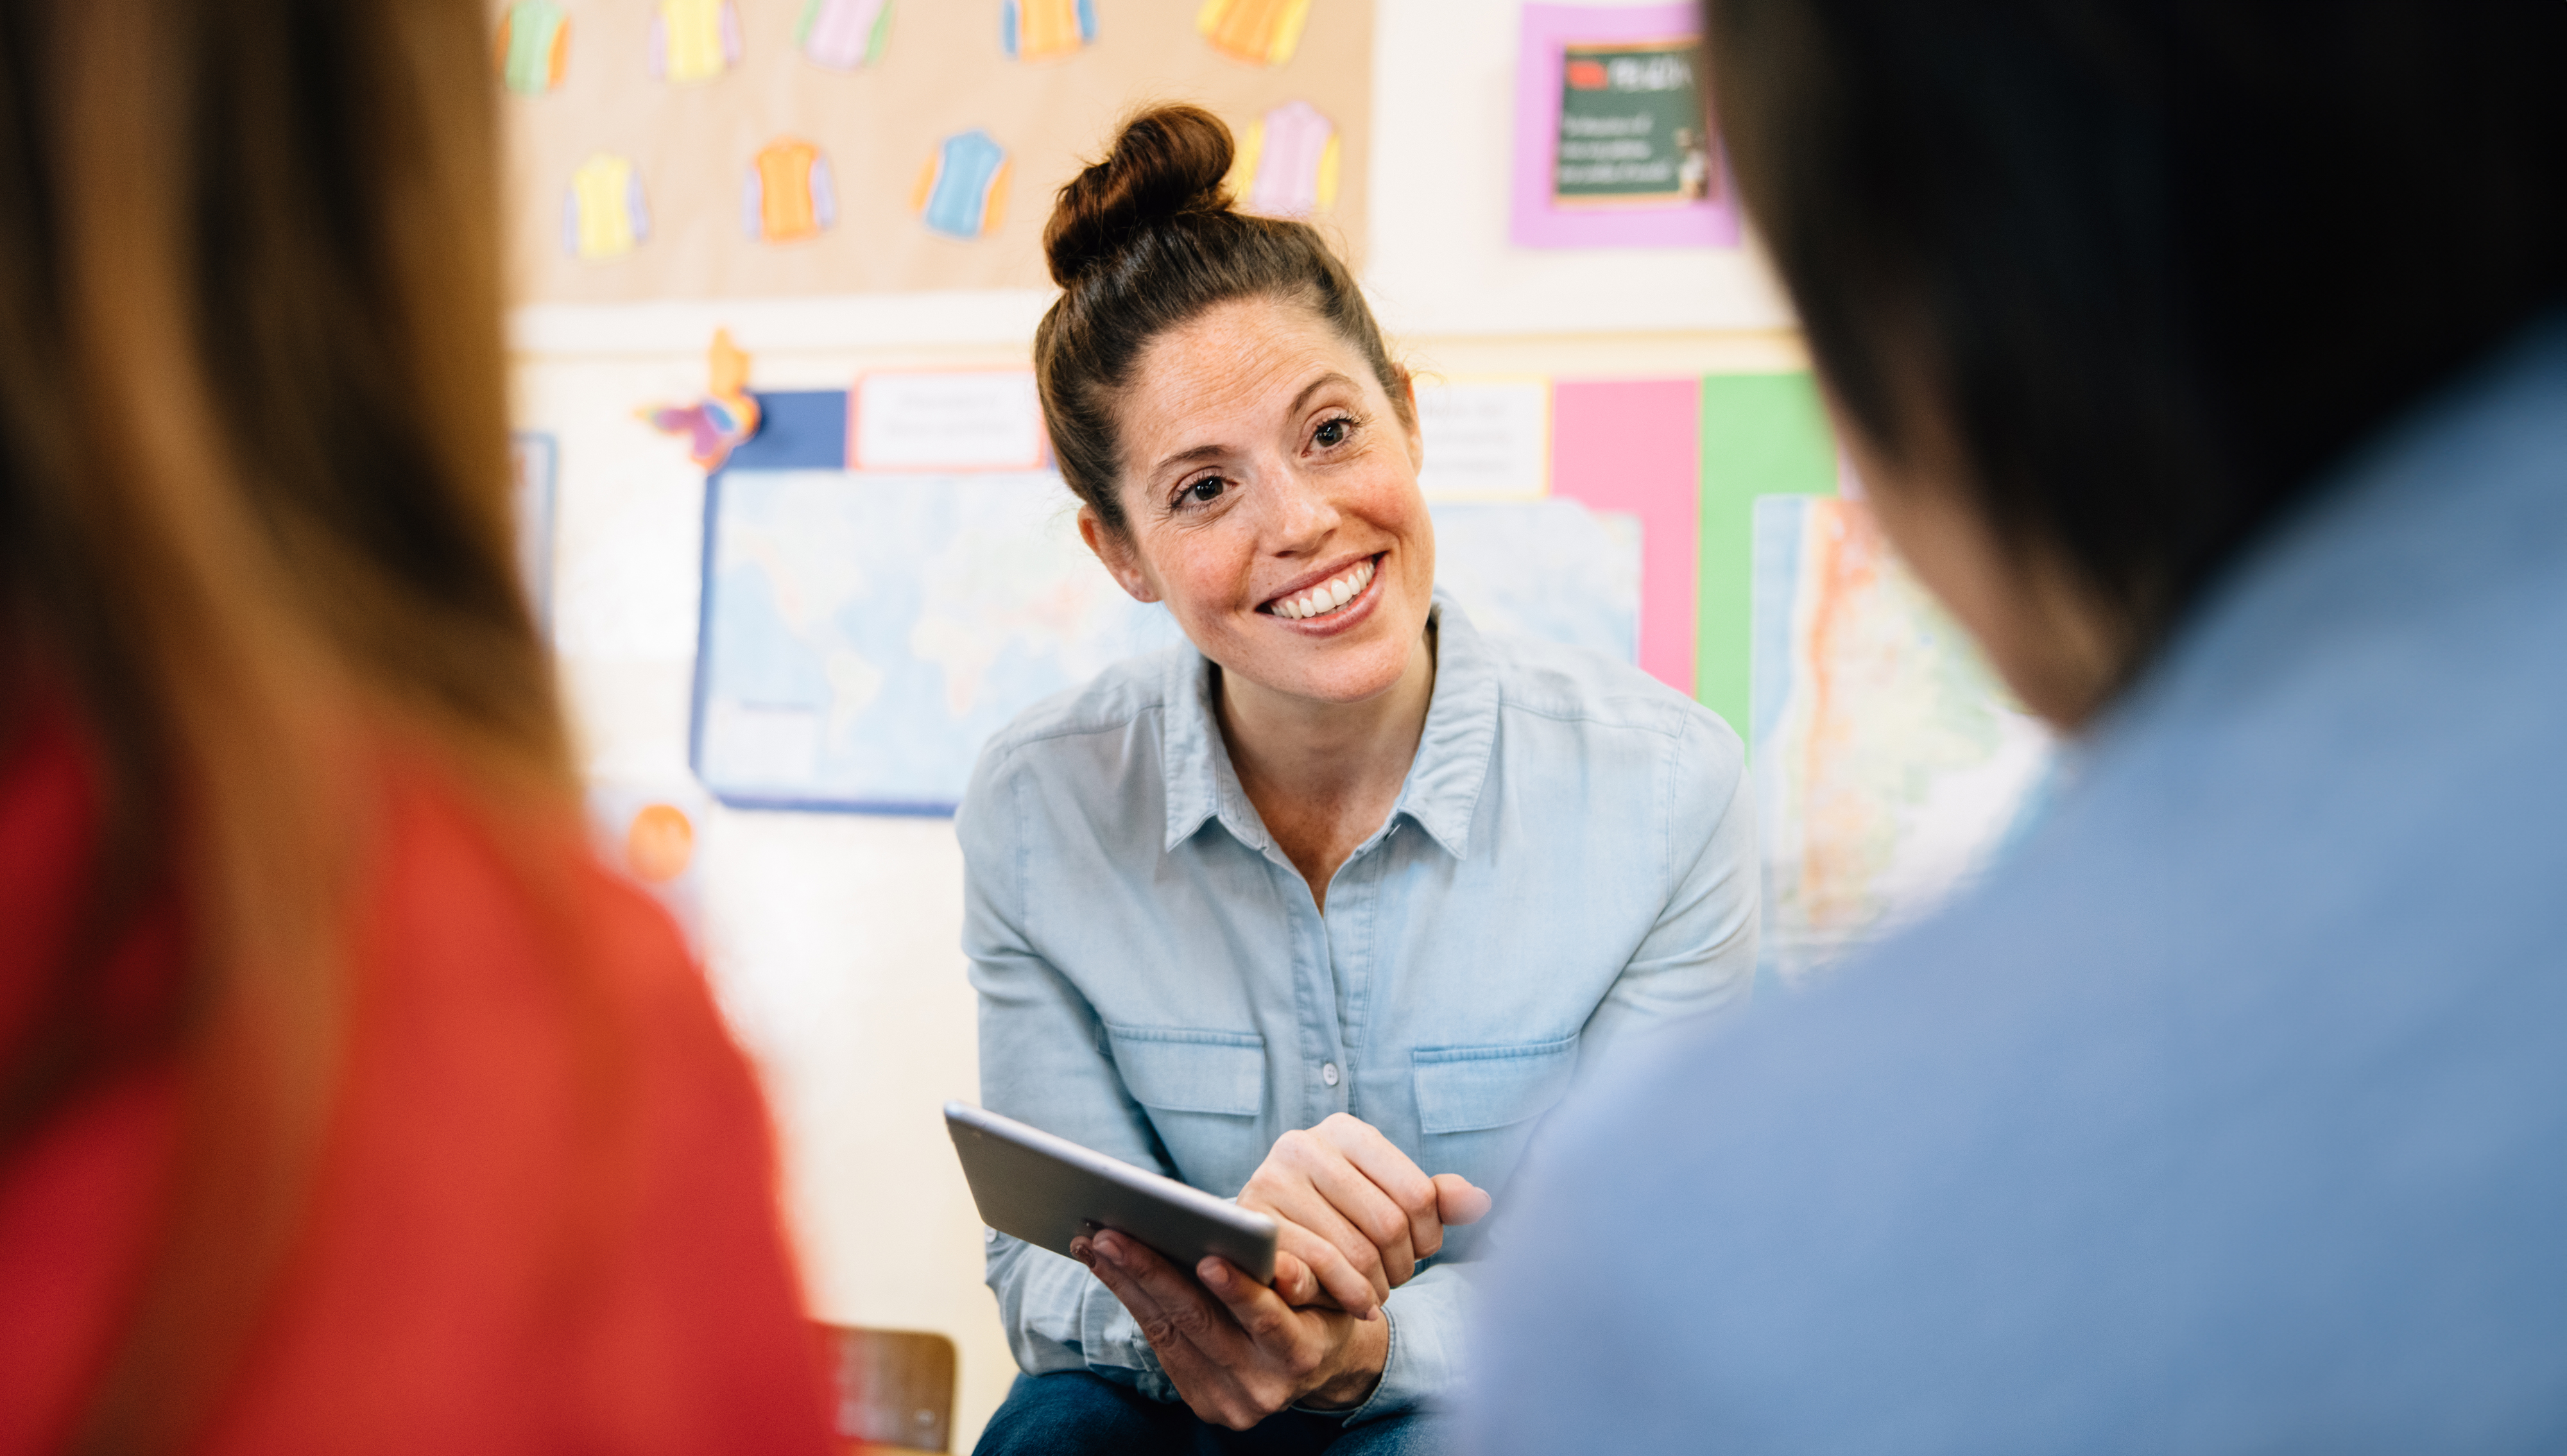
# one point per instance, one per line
(1327, 596)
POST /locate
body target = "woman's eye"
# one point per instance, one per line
(1332, 433)
(1204, 491)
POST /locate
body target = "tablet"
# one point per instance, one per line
(1048, 1190)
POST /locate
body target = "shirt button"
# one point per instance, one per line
(1329, 1073)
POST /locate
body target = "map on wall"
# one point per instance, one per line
(1889, 763)
(865, 633)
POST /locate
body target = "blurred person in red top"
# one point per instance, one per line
(344, 1103)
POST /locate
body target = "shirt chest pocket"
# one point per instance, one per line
(1477, 1088)
(1174, 1069)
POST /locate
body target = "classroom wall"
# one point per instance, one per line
(832, 939)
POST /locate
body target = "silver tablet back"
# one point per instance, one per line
(1047, 1190)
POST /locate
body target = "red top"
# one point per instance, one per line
(464, 1283)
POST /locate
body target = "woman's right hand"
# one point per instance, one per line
(1356, 1213)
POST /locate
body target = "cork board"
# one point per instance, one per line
(650, 174)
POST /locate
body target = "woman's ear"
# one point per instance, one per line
(1114, 548)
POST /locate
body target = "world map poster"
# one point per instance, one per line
(865, 633)
(1889, 763)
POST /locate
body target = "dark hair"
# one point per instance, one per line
(1143, 242)
(2156, 267)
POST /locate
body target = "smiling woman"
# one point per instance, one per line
(1338, 896)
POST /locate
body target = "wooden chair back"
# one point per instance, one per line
(895, 1387)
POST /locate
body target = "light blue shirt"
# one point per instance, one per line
(1569, 863)
(2229, 1116)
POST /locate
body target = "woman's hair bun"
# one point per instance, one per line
(1167, 161)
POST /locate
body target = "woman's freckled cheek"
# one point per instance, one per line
(1201, 562)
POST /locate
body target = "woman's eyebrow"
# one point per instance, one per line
(1317, 385)
(1205, 452)
(1200, 452)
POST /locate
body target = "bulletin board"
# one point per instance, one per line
(686, 101)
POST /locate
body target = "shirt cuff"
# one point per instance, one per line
(1114, 1346)
(1374, 1405)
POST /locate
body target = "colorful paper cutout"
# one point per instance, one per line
(725, 418)
(660, 843)
(694, 39)
(842, 35)
(963, 190)
(791, 194)
(533, 47)
(1046, 30)
(604, 216)
(1286, 164)
(941, 69)
(1259, 31)
(651, 829)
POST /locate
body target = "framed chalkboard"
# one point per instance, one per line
(1614, 148)
(1631, 129)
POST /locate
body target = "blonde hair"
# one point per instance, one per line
(254, 528)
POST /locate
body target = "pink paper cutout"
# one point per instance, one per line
(1634, 445)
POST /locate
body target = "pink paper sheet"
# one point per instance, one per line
(1633, 445)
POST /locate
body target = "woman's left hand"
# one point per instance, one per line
(1235, 1349)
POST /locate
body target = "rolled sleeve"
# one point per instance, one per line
(1429, 1323)
(1059, 1318)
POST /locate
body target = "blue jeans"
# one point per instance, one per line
(1072, 1413)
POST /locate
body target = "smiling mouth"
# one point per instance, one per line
(1329, 596)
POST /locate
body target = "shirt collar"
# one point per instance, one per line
(1442, 792)
(1201, 783)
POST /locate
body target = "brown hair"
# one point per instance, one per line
(253, 528)
(1143, 242)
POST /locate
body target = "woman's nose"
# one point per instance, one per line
(1302, 514)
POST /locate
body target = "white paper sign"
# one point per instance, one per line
(952, 420)
(1485, 439)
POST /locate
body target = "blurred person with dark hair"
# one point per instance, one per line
(344, 1103)
(2207, 360)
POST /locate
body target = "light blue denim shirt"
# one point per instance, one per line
(1570, 862)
